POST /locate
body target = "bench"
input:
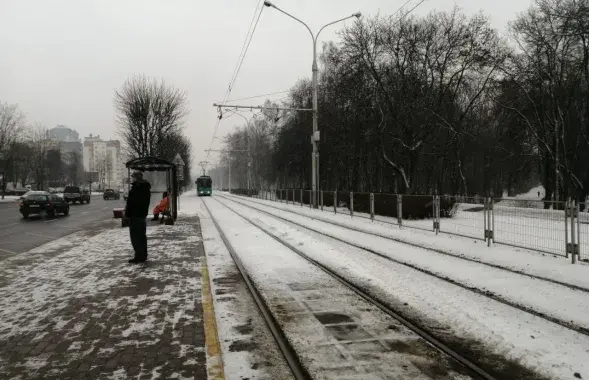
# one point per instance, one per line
(166, 216)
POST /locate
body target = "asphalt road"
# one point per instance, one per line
(18, 235)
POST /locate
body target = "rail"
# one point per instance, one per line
(467, 363)
(288, 352)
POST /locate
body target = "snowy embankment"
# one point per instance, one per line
(237, 318)
(79, 292)
(454, 313)
(520, 260)
(561, 303)
(335, 333)
(9, 199)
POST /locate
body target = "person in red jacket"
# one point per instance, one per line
(161, 207)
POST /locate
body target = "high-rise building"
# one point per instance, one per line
(104, 157)
(63, 133)
(67, 141)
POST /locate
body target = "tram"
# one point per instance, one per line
(204, 185)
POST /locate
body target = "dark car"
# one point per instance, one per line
(43, 203)
(73, 194)
(110, 194)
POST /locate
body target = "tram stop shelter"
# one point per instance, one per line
(156, 164)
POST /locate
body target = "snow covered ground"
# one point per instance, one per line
(519, 222)
(77, 300)
(521, 260)
(9, 199)
(335, 332)
(15, 198)
(239, 325)
(569, 306)
(493, 328)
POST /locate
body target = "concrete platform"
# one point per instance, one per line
(75, 309)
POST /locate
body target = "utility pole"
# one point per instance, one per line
(315, 136)
(230, 151)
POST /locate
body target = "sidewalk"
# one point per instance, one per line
(75, 309)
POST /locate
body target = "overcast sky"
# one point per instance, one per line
(61, 60)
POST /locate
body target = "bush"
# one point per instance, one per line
(245, 192)
(414, 206)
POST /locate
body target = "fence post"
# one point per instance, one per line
(301, 197)
(493, 220)
(352, 204)
(437, 213)
(578, 214)
(372, 206)
(335, 201)
(400, 210)
(489, 217)
(573, 240)
(485, 212)
(311, 199)
(566, 227)
(321, 198)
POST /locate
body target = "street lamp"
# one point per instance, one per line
(315, 137)
(249, 161)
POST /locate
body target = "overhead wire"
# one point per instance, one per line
(412, 9)
(240, 59)
(401, 7)
(243, 53)
(257, 96)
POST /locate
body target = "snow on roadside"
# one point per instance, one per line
(9, 199)
(88, 289)
(300, 295)
(37, 293)
(538, 344)
(238, 321)
(521, 260)
(557, 301)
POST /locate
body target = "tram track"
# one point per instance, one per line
(571, 326)
(288, 352)
(475, 370)
(415, 245)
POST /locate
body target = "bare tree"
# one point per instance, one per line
(74, 168)
(147, 112)
(103, 165)
(40, 145)
(11, 124)
(177, 143)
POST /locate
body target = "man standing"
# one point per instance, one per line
(136, 211)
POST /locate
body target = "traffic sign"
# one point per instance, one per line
(178, 160)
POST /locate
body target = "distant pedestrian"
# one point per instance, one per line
(538, 194)
(136, 211)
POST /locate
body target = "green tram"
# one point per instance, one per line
(204, 185)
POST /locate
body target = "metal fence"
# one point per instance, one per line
(558, 228)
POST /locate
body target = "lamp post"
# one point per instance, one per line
(249, 160)
(315, 137)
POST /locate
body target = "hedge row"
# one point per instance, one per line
(246, 192)
(414, 206)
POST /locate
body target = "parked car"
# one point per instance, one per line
(43, 203)
(110, 194)
(73, 194)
